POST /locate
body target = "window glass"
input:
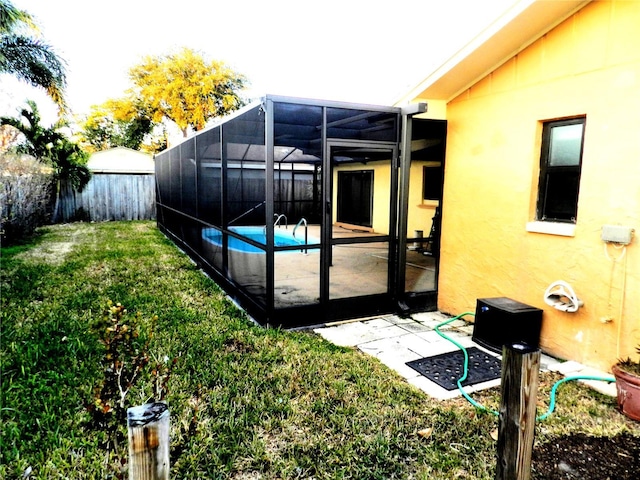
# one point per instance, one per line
(565, 145)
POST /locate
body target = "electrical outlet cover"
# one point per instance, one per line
(617, 234)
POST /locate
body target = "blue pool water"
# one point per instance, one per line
(282, 238)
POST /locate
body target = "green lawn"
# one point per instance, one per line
(245, 402)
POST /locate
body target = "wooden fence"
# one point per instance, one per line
(109, 196)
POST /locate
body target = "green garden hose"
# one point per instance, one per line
(552, 399)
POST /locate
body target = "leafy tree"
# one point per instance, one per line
(51, 146)
(28, 58)
(121, 123)
(186, 89)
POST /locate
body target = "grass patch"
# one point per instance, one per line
(245, 402)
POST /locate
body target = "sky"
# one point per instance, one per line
(362, 51)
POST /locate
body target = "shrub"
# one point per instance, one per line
(26, 186)
(127, 361)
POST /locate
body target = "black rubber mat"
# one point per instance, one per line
(447, 368)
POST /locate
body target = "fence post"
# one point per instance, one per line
(520, 368)
(148, 427)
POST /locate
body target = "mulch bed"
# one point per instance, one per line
(585, 457)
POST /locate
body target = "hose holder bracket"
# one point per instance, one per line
(561, 296)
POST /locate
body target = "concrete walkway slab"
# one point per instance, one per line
(353, 334)
(397, 340)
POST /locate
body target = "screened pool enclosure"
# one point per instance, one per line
(307, 212)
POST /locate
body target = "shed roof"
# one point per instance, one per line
(121, 160)
(509, 34)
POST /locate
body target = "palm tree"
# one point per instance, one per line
(27, 58)
(50, 146)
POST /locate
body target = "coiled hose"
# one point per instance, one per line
(554, 389)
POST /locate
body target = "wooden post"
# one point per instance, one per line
(148, 427)
(520, 368)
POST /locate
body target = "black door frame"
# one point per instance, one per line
(387, 299)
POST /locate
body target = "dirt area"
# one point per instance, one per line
(588, 458)
(54, 253)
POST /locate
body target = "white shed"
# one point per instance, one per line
(121, 160)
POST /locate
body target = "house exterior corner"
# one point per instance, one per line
(497, 240)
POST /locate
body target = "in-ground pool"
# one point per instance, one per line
(282, 238)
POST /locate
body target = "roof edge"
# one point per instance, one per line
(513, 31)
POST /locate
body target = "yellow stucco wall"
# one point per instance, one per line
(588, 65)
(420, 211)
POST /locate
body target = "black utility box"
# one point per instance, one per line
(502, 321)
